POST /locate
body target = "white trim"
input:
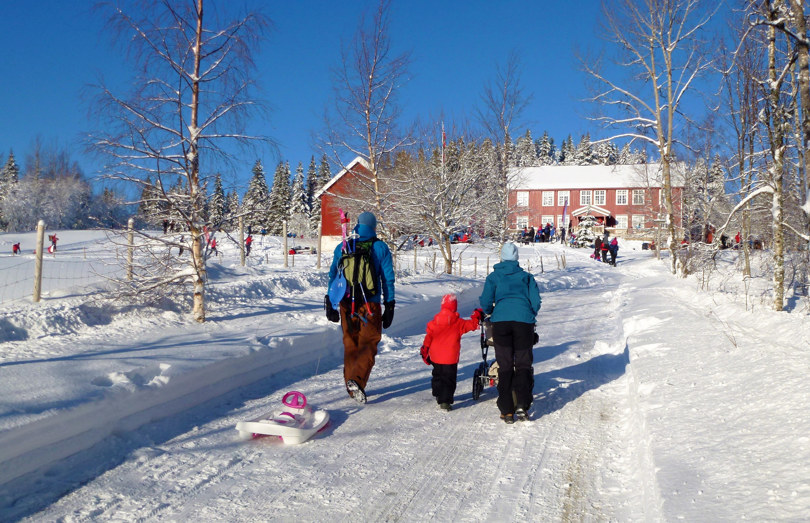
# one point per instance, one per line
(589, 208)
(339, 175)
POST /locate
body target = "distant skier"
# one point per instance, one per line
(53, 240)
(15, 249)
(442, 346)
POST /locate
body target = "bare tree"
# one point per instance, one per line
(444, 193)
(363, 120)
(662, 57)
(190, 98)
(503, 102)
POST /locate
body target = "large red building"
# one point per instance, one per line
(625, 198)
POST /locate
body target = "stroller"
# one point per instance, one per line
(486, 373)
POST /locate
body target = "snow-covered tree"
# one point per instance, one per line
(584, 234)
(544, 147)
(525, 153)
(231, 210)
(606, 153)
(299, 204)
(280, 196)
(583, 154)
(216, 204)
(567, 154)
(9, 176)
(256, 202)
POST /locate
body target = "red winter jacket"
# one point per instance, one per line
(443, 337)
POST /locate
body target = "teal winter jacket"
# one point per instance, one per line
(510, 294)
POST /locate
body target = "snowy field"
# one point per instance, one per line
(656, 398)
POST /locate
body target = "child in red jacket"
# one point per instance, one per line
(442, 346)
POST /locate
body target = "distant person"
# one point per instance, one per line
(597, 248)
(248, 243)
(182, 239)
(605, 251)
(165, 226)
(15, 249)
(512, 298)
(442, 347)
(213, 246)
(614, 250)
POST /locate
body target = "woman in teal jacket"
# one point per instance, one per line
(512, 298)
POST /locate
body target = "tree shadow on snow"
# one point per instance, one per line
(555, 389)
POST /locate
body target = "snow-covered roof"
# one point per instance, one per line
(551, 177)
(359, 160)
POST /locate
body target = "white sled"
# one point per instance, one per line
(295, 424)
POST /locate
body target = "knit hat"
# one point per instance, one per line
(509, 252)
(450, 302)
(368, 219)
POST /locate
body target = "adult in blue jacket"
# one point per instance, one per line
(512, 298)
(362, 330)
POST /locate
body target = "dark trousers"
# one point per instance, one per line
(444, 381)
(513, 352)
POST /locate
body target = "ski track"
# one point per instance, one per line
(552, 468)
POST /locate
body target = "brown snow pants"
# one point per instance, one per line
(360, 339)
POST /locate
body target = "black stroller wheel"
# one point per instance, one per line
(478, 386)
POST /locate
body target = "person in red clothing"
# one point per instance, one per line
(442, 346)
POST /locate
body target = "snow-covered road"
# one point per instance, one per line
(399, 457)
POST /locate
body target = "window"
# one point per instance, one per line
(547, 219)
(639, 221)
(559, 221)
(522, 221)
(523, 198)
(621, 222)
(563, 197)
(621, 199)
(599, 197)
(548, 198)
(638, 196)
(584, 197)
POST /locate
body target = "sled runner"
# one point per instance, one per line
(295, 424)
(486, 373)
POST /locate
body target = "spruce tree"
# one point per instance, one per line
(299, 206)
(231, 210)
(544, 150)
(216, 204)
(280, 194)
(312, 188)
(525, 153)
(9, 177)
(583, 155)
(255, 203)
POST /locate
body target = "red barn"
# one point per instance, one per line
(625, 198)
(342, 192)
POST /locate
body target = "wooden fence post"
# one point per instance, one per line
(242, 239)
(130, 246)
(38, 261)
(284, 239)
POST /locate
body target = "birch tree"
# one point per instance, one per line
(660, 52)
(191, 94)
(364, 118)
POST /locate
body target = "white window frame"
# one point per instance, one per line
(562, 197)
(621, 197)
(585, 197)
(522, 221)
(523, 198)
(599, 197)
(638, 221)
(621, 222)
(547, 219)
(548, 199)
(559, 223)
(638, 196)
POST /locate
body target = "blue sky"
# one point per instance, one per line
(54, 48)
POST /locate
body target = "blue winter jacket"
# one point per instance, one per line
(380, 257)
(510, 294)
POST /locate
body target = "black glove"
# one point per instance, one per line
(388, 315)
(425, 356)
(331, 314)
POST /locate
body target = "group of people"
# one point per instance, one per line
(545, 234)
(17, 249)
(606, 249)
(510, 298)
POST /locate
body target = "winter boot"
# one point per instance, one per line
(356, 391)
(508, 418)
(521, 414)
(445, 406)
